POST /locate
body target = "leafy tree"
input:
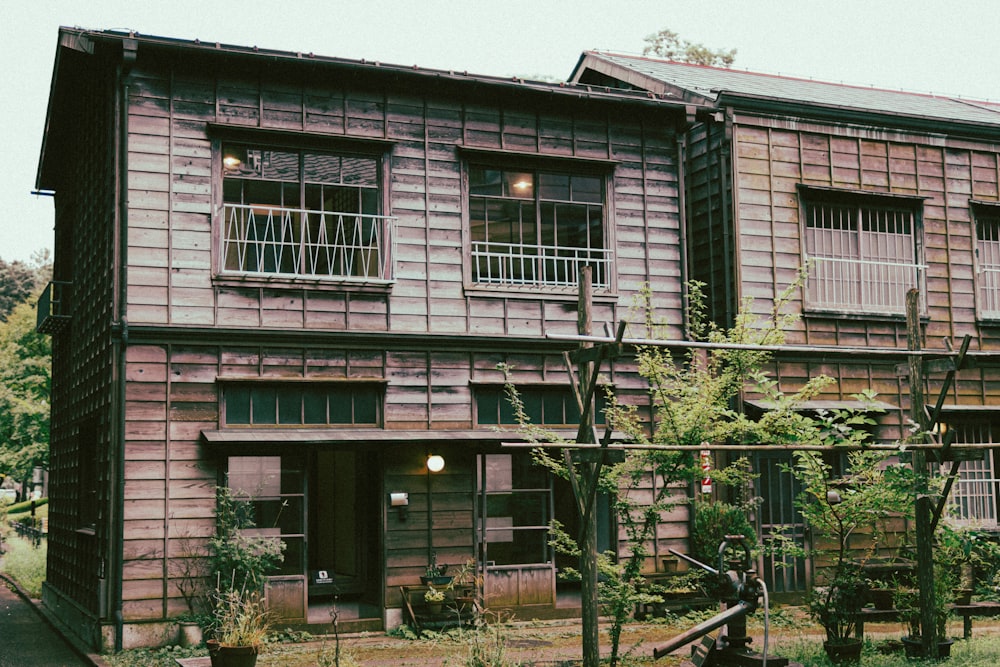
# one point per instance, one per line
(693, 394)
(17, 282)
(25, 385)
(668, 44)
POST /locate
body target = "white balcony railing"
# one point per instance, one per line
(537, 265)
(861, 285)
(299, 243)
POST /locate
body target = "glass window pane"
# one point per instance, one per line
(532, 401)
(255, 476)
(553, 406)
(571, 226)
(360, 171)
(321, 168)
(366, 406)
(506, 410)
(289, 405)
(237, 405)
(241, 161)
(553, 186)
(587, 189)
(314, 407)
(519, 184)
(485, 181)
(264, 408)
(340, 407)
(486, 406)
(280, 165)
(294, 560)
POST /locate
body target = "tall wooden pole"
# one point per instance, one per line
(922, 508)
(588, 480)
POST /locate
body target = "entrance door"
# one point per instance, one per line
(342, 554)
(780, 517)
(515, 509)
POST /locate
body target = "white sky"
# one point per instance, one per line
(918, 45)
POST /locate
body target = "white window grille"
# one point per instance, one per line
(556, 266)
(988, 249)
(861, 258)
(302, 243)
(974, 493)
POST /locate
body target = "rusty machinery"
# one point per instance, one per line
(741, 591)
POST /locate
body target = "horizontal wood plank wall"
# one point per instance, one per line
(171, 188)
(172, 395)
(774, 156)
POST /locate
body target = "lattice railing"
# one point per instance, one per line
(273, 241)
(863, 285)
(537, 265)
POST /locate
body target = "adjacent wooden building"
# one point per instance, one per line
(298, 276)
(872, 192)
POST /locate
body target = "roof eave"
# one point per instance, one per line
(930, 124)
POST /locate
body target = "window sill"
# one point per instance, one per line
(318, 284)
(859, 316)
(535, 292)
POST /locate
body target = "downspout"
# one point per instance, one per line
(129, 49)
(682, 212)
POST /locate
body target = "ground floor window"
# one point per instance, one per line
(975, 492)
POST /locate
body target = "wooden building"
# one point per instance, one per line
(297, 275)
(874, 192)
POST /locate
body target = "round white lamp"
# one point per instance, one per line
(435, 463)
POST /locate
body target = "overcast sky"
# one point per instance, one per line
(916, 45)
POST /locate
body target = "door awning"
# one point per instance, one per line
(329, 436)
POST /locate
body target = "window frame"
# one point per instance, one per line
(560, 391)
(507, 160)
(289, 140)
(862, 201)
(985, 212)
(326, 387)
(987, 489)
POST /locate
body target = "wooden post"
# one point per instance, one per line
(587, 482)
(922, 508)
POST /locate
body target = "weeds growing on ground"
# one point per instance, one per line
(25, 563)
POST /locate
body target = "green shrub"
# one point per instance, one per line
(25, 564)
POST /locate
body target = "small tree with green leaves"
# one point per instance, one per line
(668, 44)
(836, 507)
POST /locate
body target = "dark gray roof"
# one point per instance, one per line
(710, 82)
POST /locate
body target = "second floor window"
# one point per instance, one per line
(294, 404)
(536, 228)
(303, 214)
(988, 266)
(862, 256)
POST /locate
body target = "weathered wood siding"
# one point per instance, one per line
(172, 396)
(772, 157)
(173, 191)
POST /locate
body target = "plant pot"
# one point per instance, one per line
(844, 651)
(914, 647)
(881, 598)
(434, 608)
(235, 656)
(963, 596)
(189, 634)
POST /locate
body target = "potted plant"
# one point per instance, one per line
(435, 574)
(907, 601)
(434, 599)
(240, 559)
(240, 624)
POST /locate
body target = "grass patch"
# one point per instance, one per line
(25, 564)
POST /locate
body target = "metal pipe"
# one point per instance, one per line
(886, 447)
(741, 608)
(712, 570)
(806, 349)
